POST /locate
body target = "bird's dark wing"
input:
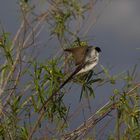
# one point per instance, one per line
(78, 54)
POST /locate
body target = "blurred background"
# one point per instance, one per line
(113, 25)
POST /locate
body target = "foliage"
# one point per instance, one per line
(32, 104)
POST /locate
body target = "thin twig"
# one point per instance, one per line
(94, 119)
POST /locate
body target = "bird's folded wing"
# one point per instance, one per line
(78, 54)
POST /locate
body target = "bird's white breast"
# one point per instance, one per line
(88, 67)
(91, 60)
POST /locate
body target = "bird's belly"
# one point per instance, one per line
(87, 68)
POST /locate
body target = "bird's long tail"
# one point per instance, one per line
(61, 86)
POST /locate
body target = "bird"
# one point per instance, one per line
(86, 58)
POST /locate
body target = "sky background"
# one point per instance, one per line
(117, 33)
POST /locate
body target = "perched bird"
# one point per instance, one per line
(86, 58)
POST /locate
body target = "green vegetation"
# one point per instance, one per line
(31, 104)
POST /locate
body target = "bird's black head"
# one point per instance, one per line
(97, 49)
